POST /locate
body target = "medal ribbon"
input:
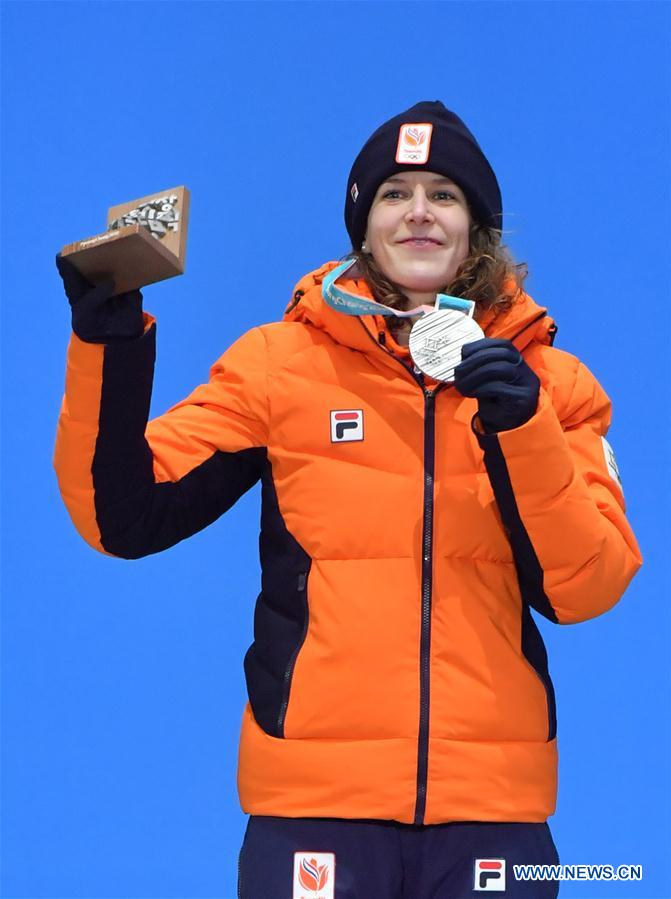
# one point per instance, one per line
(351, 304)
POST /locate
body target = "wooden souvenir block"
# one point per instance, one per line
(145, 242)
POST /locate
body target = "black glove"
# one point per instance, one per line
(97, 315)
(506, 388)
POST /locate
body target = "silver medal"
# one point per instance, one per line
(436, 340)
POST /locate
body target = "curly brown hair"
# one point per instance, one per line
(489, 276)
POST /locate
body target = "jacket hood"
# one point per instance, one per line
(523, 323)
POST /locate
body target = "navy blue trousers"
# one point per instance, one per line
(338, 858)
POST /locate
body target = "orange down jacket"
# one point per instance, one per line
(396, 671)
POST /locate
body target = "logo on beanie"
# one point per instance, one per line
(314, 875)
(354, 192)
(414, 141)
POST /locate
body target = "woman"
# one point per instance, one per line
(399, 738)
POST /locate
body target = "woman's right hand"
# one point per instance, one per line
(98, 316)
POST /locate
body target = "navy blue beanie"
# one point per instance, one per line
(426, 137)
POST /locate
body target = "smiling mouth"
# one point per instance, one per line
(421, 242)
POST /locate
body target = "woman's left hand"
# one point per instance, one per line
(494, 372)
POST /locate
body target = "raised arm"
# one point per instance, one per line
(134, 488)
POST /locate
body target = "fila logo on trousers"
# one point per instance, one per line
(490, 875)
(346, 424)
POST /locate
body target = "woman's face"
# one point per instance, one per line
(418, 229)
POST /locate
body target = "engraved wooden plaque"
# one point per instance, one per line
(145, 242)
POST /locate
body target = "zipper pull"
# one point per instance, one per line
(419, 374)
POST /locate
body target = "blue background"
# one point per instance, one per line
(123, 686)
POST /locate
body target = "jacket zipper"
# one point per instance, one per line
(427, 581)
(427, 588)
(427, 575)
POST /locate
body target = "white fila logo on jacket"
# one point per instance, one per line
(346, 424)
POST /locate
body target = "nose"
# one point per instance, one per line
(419, 209)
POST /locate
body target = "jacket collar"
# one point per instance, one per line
(523, 323)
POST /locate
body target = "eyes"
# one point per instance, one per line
(438, 196)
